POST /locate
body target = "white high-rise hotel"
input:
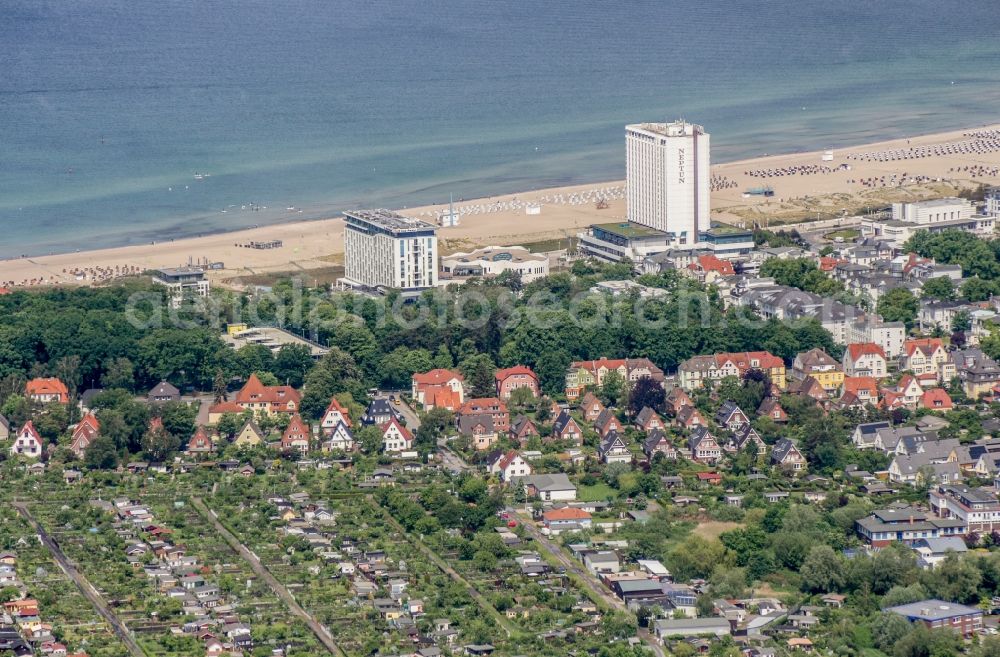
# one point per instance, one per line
(667, 172)
(386, 249)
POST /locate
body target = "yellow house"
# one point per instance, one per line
(233, 329)
(249, 436)
(820, 366)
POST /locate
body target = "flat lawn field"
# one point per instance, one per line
(598, 492)
(712, 528)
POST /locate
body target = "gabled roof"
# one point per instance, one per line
(226, 407)
(523, 423)
(567, 513)
(698, 436)
(814, 358)
(611, 441)
(29, 431)
(47, 386)
(335, 406)
(403, 431)
(782, 449)
(855, 384)
(926, 346)
(295, 430)
(654, 438)
(858, 349)
(467, 423)
(936, 398)
(254, 391)
(164, 389)
(606, 417)
(769, 405)
(437, 376)
(253, 427)
(726, 411)
(645, 416)
(517, 369)
(562, 421)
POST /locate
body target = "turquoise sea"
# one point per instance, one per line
(108, 108)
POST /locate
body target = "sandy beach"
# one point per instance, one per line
(805, 187)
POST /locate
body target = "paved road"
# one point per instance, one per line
(86, 588)
(279, 590)
(451, 460)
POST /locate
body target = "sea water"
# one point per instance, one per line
(109, 108)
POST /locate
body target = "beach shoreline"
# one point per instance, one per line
(313, 244)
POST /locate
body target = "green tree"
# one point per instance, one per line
(899, 305)
(101, 454)
(219, 386)
(822, 571)
(941, 287)
(178, 418)
(158, 444)
(119, 373)
(478, 371)
(335, 373)
(292, 364)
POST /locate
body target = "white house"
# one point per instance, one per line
(27, 442)
(509, 465)
(395, 437)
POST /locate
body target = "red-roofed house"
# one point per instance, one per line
(509, 465)
(255, 396)
(908, 390)
(566, 519)
(200, 442)
(865, 388)
(84, 433)
(296, 436)
(828, 264)
(865, 359)
(47, 390)
(491, 406)
(216, 411)
(427, 389)
(395, 437)
(510, 379)
(936, 399)
(27, 442)
(582, 374)
(695, 372)
(927, 356)
(334, 415)
(707, 268)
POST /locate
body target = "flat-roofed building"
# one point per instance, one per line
(978, 508)
(491, 261)
(182, 283)
(933, 211)
(939, 614)
(384, 249)
(907, 524)
(667, 179)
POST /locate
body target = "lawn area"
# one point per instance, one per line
(846, 234)
(596, 493)
(712, 528)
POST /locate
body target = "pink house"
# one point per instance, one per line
(510, 379)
